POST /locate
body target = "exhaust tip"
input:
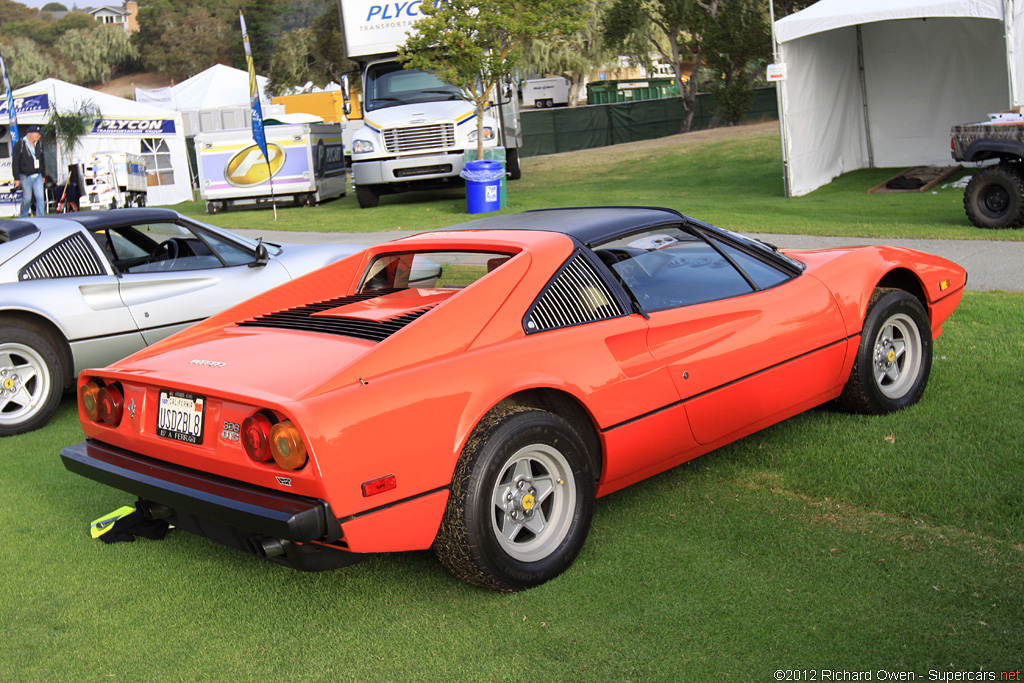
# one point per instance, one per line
(267, 547)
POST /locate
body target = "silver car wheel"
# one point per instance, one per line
(533, 503)
(24, 383)
(897, 356)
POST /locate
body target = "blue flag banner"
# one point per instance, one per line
(254, 93)
(10, 104)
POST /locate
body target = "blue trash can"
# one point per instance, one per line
(483, 185)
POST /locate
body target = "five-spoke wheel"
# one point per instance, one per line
(31, 380)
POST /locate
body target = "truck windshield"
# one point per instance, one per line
(389, 84)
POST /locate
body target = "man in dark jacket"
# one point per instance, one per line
(28, 168)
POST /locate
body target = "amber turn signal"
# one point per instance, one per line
(88, 397)
(286, 446)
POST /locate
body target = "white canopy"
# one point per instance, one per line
(879, 83)
(218, 86)
(124, 126)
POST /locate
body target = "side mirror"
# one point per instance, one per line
(261, 254)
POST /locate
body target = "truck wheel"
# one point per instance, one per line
(212, 207)
(368, 196)
(994, 198)
(512, 168)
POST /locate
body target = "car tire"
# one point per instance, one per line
(31, 378)
(368, 196)
(521, 501)
(512, 167)
(994, 198)
(894, 359)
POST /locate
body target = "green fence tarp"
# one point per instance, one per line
(550, 131)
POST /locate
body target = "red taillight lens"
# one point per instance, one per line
(256, 437)
(286, 446)
(88, 397)
(111, 405)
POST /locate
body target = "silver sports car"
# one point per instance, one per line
(85, 289)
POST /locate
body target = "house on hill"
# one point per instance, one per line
(127, 15)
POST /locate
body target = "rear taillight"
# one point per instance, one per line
(102, 404)
(111, 405)
(256, 437)
(286, 446)
(88, 396)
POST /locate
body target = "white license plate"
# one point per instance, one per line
(180, 416)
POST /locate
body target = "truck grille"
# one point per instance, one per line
(419, 138)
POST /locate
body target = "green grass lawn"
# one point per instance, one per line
(733, 179)
(829, 541)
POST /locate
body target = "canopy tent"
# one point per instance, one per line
(879, 83)
(218, 86)
(123, 126)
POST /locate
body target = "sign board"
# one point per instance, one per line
(776, 72)
(374, 27)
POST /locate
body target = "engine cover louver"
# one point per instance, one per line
(576, 295)
(71, 257)
(302, 318)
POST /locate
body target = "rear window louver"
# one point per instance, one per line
(301, 318)
(71, 257)
(576, 295)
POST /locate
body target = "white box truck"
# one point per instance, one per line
(111, 180)
(416, 127)
(546, 92)
(307, 166)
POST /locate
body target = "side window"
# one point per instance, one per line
(158, 247)
(668, 268)
(764, 275)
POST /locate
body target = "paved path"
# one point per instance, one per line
(990, 264)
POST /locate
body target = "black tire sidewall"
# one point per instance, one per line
(43, 345)
(985, 180)
(887, 305)
(505, 439)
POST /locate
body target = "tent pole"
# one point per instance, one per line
(779, 96)
(1010, 30)
(864, 98)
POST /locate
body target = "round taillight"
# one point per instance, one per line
(286, 446)
(88, 398)
(256, 437)
(111, 405)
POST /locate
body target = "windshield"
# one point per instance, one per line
(388, 85)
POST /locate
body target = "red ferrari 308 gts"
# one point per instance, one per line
(475, 389)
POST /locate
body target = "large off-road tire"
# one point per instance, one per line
(31, 378)
(512, 167)
(994, 198)
(368, 196)
(521, 501)
(895, 355)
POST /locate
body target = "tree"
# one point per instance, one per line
(736, 43)
(574, 55)
(669, 27)
(68, 127)
(26, 63)
(181, 44)
(95, 54)
(54, 7)
(473, 44)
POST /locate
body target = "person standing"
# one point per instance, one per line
(28, 169)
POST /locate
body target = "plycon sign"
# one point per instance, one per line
(375, 27)
(248, 168)
(133, 126)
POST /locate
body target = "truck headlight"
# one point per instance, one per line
(361, 146)
(488, 134)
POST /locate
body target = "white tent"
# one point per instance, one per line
(218, 86)
(879, 83)
(124, 126)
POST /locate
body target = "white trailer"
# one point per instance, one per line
(546, 92)
(416, 127)
(112, 180)
(307, 166)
